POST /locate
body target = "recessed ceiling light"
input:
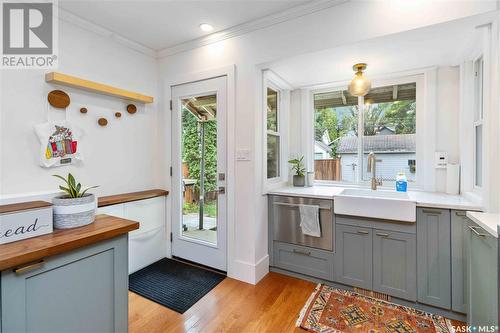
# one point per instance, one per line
(206, 27)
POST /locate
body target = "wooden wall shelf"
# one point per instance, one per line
(72, 81)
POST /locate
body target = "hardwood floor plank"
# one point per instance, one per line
(273, 305)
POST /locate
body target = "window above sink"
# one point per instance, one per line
(388, 123)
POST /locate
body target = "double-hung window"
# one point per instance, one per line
(478, 121)
(348, 128)
(273, 135)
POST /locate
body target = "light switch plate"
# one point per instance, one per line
(243, 154)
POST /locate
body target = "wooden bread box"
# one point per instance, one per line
(25, 220)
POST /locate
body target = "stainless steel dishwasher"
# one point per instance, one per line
(286, 221)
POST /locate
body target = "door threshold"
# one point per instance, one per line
(195, 264)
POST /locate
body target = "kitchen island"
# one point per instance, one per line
(73, 280)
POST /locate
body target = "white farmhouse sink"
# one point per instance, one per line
(379, 204)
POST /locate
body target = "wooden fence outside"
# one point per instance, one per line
(327, 169)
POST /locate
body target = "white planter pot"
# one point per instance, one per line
(74, 212)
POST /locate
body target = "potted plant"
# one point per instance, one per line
(76, 208)
(299, 178)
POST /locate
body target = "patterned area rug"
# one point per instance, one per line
(331, 310)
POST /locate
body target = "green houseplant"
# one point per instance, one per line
(298, 168)
(76, 207)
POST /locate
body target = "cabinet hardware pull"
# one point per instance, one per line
(29, 267)
(430, 211)
(473, 229)
(298, 205)
(460, 213)
(382, 234)
(363, 232)
(304, 253)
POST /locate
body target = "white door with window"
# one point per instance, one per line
(199, 172)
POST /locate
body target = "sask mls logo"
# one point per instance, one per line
(28, 38)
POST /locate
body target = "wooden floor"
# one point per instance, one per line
(273, 305)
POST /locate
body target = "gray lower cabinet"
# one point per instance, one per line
(394, 264)
(482, 273)
(304, 260)
(353, 256)
(434, 257)
(458, 261)
(80, 291)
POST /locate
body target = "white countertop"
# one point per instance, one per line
(423, 199)
(488, 221)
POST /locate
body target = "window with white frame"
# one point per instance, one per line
(478, 121)
(344, 136)
(273, 137)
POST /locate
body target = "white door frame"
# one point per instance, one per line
(229, 72)
(190, 247)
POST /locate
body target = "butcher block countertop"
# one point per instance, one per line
(33, 249)
(128, 197)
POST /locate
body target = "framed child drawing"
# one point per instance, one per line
(59, 143)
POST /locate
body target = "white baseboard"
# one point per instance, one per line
(261, 268)
(248, 272)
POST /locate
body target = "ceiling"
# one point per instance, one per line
(438, 45)
(162, 24)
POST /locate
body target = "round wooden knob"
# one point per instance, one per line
(102, 121)
(131, 108)
(118, 114)
(58, 99)
(83, 110)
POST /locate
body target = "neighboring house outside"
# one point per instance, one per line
(321, 150)
(384, 130)
(397, 152)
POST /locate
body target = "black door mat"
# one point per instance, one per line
(173, 284)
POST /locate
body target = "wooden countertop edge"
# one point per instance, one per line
(129, 197)
(29, 205)
(26, 255)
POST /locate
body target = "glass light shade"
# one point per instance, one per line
(360, 85)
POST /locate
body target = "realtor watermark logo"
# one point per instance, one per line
(476, 329)
(29, 34)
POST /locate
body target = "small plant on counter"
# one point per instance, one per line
(72, 188)
(298, 167)
(76, 208)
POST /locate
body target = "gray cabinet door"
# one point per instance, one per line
(483, 277)
(394, 264)
(458, 261)
(80, 291)
(353, 256)
(434, 257)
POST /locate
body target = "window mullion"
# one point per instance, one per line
(361, 131)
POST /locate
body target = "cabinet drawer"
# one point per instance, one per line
(304, 260)
(146, 248)
(149, 212)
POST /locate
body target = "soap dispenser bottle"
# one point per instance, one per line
(401, 182)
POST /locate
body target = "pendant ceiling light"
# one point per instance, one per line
(360, 85)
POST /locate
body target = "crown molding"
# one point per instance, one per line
(264, 22)
(238, 30)
(97, 29)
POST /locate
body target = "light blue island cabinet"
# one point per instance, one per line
(83, 287)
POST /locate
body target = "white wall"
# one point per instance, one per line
(120, 157)
(447, 115)
(309, 33)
